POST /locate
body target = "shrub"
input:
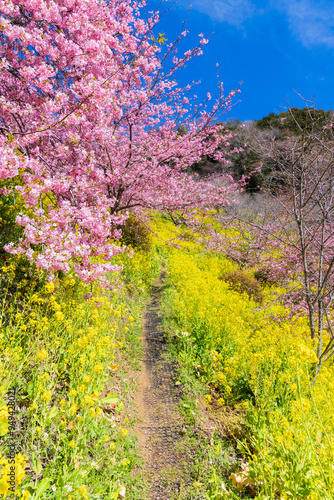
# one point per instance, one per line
(241, 282)
(266, 274)
(187, 236)
(135, 234)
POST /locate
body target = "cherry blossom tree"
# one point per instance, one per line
(290, 236)
(92, 125)
(306, 168)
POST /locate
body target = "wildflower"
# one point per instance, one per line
(98, 368)
(42, 354)
(89, 400)
(207, 398)
(83, 491)
(73, 409)
(72, 444)
(59, 316)
(49, 287)
(124, 432)
(125, 462)
(20, 464)
(46, 396)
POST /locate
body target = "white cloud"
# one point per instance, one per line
(312, 22)
(229, 11)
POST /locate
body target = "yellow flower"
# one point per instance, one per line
(73, 409)
(18, 473)
(207, 398)
(49, 287)
(124, 432)
(4, 414)
(98, 368)
(42, 354)
(47, 396)
(59, 316)
(71, 444)
(89, 400)
(83, 490)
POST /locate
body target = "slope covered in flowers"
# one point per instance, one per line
(258, 360)
(65, 348)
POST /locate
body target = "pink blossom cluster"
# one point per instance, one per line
(92, 126)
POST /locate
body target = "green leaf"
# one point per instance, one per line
(120, 407)
(53, 412)
(110, 399)
(41, 488)
(37, 466)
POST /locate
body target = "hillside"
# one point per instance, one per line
(164, 335)
(254, 138)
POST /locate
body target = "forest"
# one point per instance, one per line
(166, 274)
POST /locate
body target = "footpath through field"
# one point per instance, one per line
(160, 428)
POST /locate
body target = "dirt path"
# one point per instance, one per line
(160, 426)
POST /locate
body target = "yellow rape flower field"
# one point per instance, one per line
(66, 426)
(64, 350)
(257, 361)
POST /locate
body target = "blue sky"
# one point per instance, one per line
(275, 47)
